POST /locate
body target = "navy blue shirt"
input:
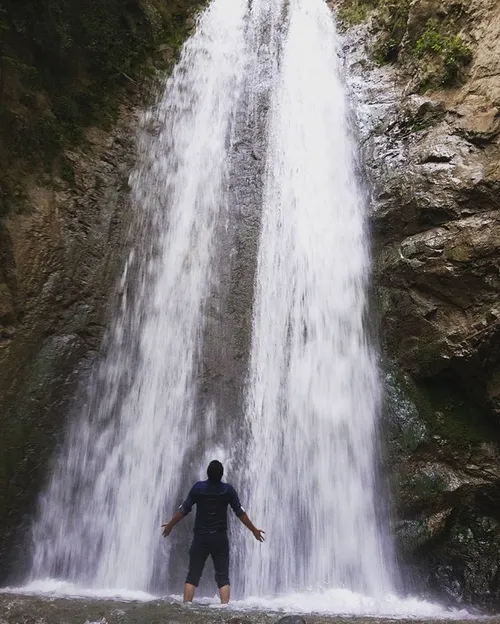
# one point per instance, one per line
(211, 499)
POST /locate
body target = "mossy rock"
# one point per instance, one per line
(411, 535)
(465, 563)
(407, 429)
(453, 417)
(353, 12)
(31, 424)
(433, 48)
(436, 407)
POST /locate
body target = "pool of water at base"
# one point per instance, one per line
(58, 602)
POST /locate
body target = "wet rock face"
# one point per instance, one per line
(15, 609)
(438, 255)
(434, 168)
(444, 471)
(434, 164)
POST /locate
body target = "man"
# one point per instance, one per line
(211, 498)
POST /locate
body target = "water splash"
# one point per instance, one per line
(330, 602)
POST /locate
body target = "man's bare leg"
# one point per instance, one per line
(224, 593)
(189, 592)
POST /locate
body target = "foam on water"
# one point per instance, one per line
(64, 589)
(348, 603)
(329, 602)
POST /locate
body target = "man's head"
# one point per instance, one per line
(215, 470)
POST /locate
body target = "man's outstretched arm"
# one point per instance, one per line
(257, 533)
(242, 515)
(167, 528)
(183, 510)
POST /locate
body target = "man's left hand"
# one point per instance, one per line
(167, 529)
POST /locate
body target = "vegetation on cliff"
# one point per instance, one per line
(61, 64)
(447, 52)
(432, 44)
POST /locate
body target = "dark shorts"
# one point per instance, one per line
(217, 546)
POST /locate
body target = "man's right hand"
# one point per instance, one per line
(259, 535)
(167, 528)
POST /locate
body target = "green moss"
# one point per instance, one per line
(65, 63)
(442, 53)
(411, 535)
(407, 431)
(67, 171)
(390, 20)
(442, 409)
(30, 137)
(352, 13)
(416, 490)
(12, 195)
(412, 435)
(428, 350)
(425, 486)
(449, 50)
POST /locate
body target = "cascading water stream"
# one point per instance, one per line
(313, 388)
(99, 520)
(307, 472)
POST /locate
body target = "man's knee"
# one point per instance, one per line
(193, 577)
(222, 578)
(197, 559)
(195, 571)
(221, 568)
(220, 557)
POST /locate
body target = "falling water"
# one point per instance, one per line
(99, 520)
(307, 471)
(313, 388)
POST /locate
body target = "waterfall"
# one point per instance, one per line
(313, 393)
(306, 441)
(122, 464)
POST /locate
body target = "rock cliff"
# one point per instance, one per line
(430, 96)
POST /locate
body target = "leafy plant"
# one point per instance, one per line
(451, 50)
(63, 63)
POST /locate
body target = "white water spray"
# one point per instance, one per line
(100, 518)
(313, 389)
